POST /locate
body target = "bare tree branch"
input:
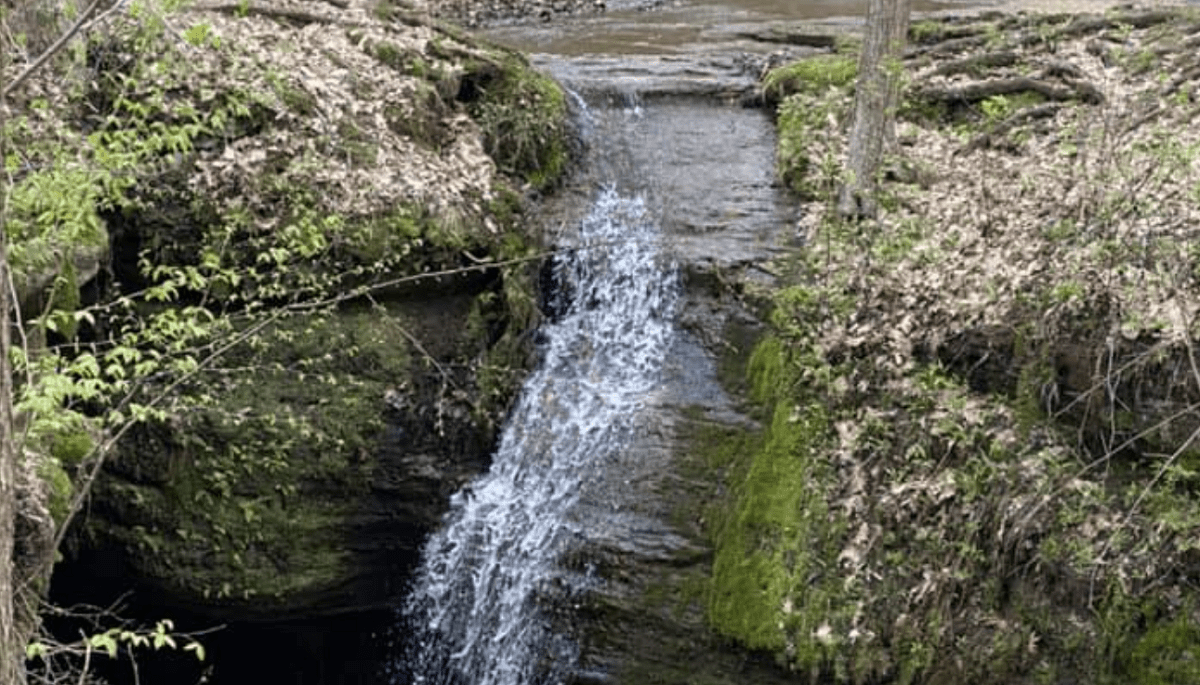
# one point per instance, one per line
(53, 49)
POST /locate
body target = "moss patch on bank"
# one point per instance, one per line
(808, 95)
(772, 544)
(246, 496)
(523, 116)
(988, 388)
(913, 532)
(329, 220)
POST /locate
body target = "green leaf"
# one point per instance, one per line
(105, 641)
(195, 647)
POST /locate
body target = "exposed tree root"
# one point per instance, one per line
(1062, 70)
(977, 64)
(1138, 20)
(997, 137)
(922, 34)
(972, 93)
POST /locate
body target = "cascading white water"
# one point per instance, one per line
(475, 601)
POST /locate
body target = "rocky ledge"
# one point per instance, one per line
(342, 189)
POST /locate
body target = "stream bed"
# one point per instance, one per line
(576, 485)
(541, 568)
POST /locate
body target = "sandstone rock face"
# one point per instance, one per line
(302, 493)
(382, 313)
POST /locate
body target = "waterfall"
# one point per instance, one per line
(477, 603)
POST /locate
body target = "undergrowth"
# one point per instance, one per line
(986, 397)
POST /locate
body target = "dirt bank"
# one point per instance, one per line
(979, 463)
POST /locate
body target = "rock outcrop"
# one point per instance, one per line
(345, 186)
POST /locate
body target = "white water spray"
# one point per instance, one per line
(476, 602)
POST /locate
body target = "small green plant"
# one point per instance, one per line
(810, 75)
(926, 31)
(200, 35)
(523, 116)
(1067, 291)
(995, 108)
(113, 643)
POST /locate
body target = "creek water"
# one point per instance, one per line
(677, 180)
(585, 438)
(574, 451)
(682, 27)
(476, 599)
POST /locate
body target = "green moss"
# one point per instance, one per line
(60, 489)
(524, 119)
(777, 537)
(392, 55)
(812, 75)
(252, 486)
(928, 31)
(1168, 654)
(70, 447)
(507, 319)
(245, 491)
(999, 107)
(767, 371)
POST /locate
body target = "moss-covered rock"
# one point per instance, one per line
(343, 290)
(1003, 453)
(513, 105)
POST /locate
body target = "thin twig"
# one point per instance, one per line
(53, 49)
(87, 658)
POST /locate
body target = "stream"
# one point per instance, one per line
(676, 185)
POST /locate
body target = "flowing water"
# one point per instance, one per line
(688, 27)
(476, 600)
(575, 451)
(675, 173)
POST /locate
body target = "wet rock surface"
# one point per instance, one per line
(670, 131)
(497, 12)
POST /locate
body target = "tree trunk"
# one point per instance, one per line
(12, 654)
(12, 643)
(875, 101)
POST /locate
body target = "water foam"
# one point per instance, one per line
(476, 606)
